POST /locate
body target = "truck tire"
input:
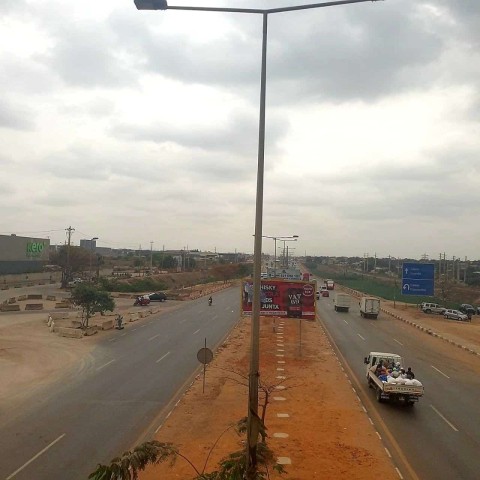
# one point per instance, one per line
(379, 396)
(361, 314)
(375, 316)
(369, 382)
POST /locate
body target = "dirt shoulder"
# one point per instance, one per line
(314, 418)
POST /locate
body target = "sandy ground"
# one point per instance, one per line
(327, 433)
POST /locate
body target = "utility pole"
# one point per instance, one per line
(151, 257)
(66, 278)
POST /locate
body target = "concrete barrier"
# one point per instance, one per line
(35, 296)
(76, 323)
(4, 287)
(21, 297)
(10, 308)
(69, 332)
(51, 298)
(133, 317)
(34, 306)
(62, 305)
(12, 300)
(92, 330)
(107, 325)
(58, 315)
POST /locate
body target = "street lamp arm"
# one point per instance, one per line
(317, 5)
(162, 5)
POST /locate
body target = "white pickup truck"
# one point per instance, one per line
(395, 389)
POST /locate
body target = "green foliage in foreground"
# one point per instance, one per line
(232, 467)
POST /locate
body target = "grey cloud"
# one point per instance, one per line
(25, 76)
(86, 55)
(16, 117)
(235, 136)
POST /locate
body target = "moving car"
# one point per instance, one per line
(157, 297)
(455, 314)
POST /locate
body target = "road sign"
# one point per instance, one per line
(418, 279)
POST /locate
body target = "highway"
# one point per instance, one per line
(438, 438)
(117, 395)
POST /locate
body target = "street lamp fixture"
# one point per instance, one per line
(283, 237)
(253, 422)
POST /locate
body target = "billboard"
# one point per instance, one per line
(281, 298)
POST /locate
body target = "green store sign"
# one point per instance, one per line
(35, 249)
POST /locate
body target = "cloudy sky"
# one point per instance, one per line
(143, 126)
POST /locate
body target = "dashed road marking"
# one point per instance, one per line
(444, 419)
(400, 343)
(161, 358)
(439, 371)
(360, 336)
(41, 452)
(155, 336)
(108, 363)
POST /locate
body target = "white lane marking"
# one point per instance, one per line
(379, 436)
(439, 371)
(345, 321)
(196, 331)
(112, 339)
(123, 334)
(133, 329)
(388, 453)
(360, 336)
(443, 418)
(108, 363)
(35, 457)
(399, 474)
(161, 358)
(141, 326)
(183, 321)
(400, 343)
(155, 336)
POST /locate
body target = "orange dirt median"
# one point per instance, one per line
(328, 435)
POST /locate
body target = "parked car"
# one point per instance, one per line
(467, 309)
(432, 308)
(75, 282)
(455, 315)
(325, 293)
(157, 297)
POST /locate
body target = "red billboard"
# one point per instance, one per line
(281, 298)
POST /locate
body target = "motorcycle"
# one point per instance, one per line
(142, 301)
(210, 301)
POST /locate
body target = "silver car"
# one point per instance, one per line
(455, 315)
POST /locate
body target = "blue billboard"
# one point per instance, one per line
(418, 279)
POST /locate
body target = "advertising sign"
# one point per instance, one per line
(282, 298)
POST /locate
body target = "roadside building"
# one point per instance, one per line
(23, 254)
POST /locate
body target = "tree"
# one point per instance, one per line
(92, 300)
(77, 260)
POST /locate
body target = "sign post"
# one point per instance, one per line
(418, 279)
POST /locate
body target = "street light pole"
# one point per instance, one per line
(253, 423)
(91, 255)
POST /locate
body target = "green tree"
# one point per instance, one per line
(92, 300)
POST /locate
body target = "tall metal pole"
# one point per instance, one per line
(253, 418)
(275, 259)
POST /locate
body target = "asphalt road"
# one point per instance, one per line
(439, 437)
(117, 395)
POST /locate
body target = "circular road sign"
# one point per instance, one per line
(205, 355)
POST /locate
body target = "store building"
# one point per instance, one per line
(23, 254)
